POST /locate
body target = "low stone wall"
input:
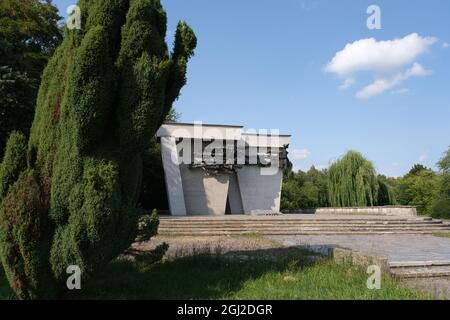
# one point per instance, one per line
(407, 211)
(341, 255)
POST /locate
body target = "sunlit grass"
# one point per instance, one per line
(442, 234)
(213, 276)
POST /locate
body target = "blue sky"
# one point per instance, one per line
(269, 65)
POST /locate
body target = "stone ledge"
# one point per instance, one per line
(403, 211)
(341, 255)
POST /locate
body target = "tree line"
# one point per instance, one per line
(352, 181)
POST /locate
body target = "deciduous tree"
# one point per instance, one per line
(352, 182)
(29, 33)
(441, 206)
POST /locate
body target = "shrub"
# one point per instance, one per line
(441, 209)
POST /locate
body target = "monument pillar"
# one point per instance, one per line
(172, 174)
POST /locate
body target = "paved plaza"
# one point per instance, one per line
(396, 248)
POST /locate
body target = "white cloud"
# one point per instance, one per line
(378, 56)
(400, 92)
(445, 45)
(299, 154)
(381, 85)
(347, 83)
(385, 60)
(417, 70)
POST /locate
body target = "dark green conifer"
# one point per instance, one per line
(69, 196)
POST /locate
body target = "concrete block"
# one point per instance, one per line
(173, 177)
(204, 194)
(260, 194)
(234, 196)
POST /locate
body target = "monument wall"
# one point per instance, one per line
(218, 170)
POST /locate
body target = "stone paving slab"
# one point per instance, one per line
(396, 248)
(292, 216)
(438, 287)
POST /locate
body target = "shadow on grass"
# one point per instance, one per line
(5, 291)
(202, 276)
(282, 273)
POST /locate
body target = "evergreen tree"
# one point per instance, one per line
(154, 191)
(69, 195)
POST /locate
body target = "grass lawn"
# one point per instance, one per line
(442, 234)
(215, 277)
(5, 291)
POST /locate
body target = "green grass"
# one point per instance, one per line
(215, 277)
(326, 280)
(442, 234)
(5, 291)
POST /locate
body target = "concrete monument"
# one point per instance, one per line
(218, 169)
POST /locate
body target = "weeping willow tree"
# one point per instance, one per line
(68, 195)
(352, 182)
(386, 194)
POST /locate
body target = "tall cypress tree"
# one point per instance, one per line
(68, 196)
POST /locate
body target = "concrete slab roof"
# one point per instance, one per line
(202, 124)
(219, 131)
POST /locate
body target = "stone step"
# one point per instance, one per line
(271, 219)
(433, 271)
(418, 264)
(289, 225)
(287, 233)
(299, 231)
(202, 226)
(183, 222)
(342, 223)
(300, 224)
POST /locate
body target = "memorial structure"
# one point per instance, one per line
(220, 169)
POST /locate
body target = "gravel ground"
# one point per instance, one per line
(242, 247)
